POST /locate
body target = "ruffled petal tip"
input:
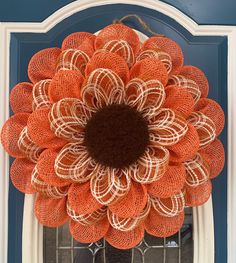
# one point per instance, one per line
(125, 240)
(50, 212)
(10, 134)
(170, 47)
(20, 173)
(21, 97)
(43, 64)
(162, 226)
(91, 233)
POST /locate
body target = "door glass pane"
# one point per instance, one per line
(59, 247)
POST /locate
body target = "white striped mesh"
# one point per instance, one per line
(205, 127)
(40, 94)
(28, 147)
(72, 59)
(164, 57)
(169, 207)
(197, 171)
(167, 128)
(103, 87)
(46, 189)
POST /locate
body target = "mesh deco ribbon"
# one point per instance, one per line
(114, 136)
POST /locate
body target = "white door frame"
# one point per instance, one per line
(32, 233)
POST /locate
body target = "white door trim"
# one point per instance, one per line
(201, 214)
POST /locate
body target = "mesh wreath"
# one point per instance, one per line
(114, 136)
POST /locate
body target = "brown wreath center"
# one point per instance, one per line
(116, 135)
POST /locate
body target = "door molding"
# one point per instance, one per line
(201, 214)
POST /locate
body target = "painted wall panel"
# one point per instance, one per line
(202, 11)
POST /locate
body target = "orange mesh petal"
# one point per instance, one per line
(171, 182)
(45, 189)
(121, 48)
(162, 226)
(28, 147)
(167, 127)
(164, 57)
(40, 94)
(21, 170)
(186, 148)
(188, 84)
(87, 48)
(197, 171)
(11, 132)
(149, 69)
(151, 166)
(89, 234)
(118, 32)
(109, 185)
(81, 200)
(214, 155)
(169, 46)
(205, 128)
(45, 166)
(195, 74)
(65, 84)
(128, 224)
(43, 64)
(68, 118)
(72, 59)
(111, 61)
(125, 239)
(50, 212)
(145, 96)
(133, 203)
(39, 130)
(169, 207)
(212, 110)
(75, 40)
(87, 219)
(102, 87)
(21, 97)
(73, 163)
(179, 100)
(196, 196)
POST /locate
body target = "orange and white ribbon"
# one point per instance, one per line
(122, 48)
(146, 96)
(72, 59)
(151, 166)
(73, 163)
(28, 147)
(108, 185)
(167, 128)
(169, 207)
(40, 94)
(164, 57)
(87, 219)
(48, 190)
(128, 224)
(189, 84)
(103, 87)
(205, 128)
(68, 118)
(197, 171)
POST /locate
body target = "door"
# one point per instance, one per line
(206, 51)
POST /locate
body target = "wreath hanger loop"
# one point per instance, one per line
(143, 24)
